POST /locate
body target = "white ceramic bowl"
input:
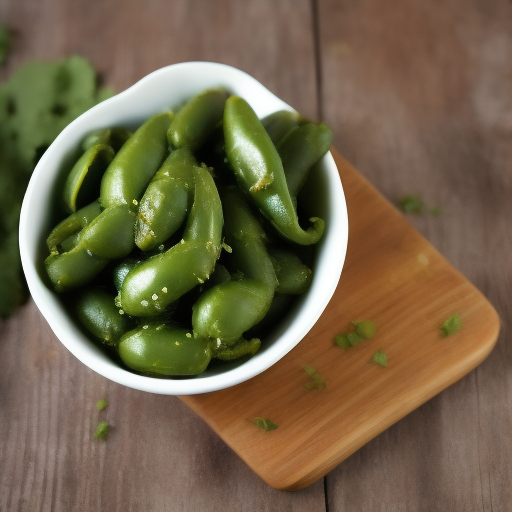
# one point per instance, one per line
(166, 88)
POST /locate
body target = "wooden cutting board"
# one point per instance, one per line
(393, 276)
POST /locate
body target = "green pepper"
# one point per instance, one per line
(259, 172)
(300, 150)
(96, 310)
(167, 199)
(292, 275)
(134, 165)
(108, 236)
(156, 348)
(229, 309)
(113, 137)
(157, 282)
(83, 181)
(280, 123)
(241, 348)
(72, 225)
(195, 122)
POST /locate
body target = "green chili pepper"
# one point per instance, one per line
(96, 310)
(83, 181)
(113, 137)
(108, 236)
(240, 349)
(134, 165)
(280, 123)
(167, 199)
(153, 284)
(195, 122)
(292, 275)
(260, 173)
(229, 309)
(72, 225)
(300, 150)
(156, 348)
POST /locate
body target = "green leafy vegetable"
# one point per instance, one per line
(101, 404)
(102, 430)
(264, 424)
(414, 204)
(5, 43)
(451, 325)
(380, 358)
(315, 382)
(39, 100)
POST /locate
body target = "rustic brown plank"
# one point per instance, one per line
(418, 97)
(160, 455)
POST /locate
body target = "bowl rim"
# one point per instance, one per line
(334, 242)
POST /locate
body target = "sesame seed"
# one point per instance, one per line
(164, 289)
(145, 326)
(144, 303)
(188, 335)
(135, 202)
(154, 296)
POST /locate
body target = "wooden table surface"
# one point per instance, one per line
(419, 97)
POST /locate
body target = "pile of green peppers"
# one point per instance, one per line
(182, 242)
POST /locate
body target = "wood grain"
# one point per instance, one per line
(419, 98)
(395, 277)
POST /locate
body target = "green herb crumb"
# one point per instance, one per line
(451, 325)
(316, 382)
(414, 204)
(342, 341)
(264, 424)
(102, 430)
(363, 330)
(380, 358)
(101, 404)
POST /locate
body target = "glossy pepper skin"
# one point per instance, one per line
(83, 181)
(134, 165)
(292, 275)
(108, 236)
(229, 309)
(166, 201)
(300, 150)
(195, 122)
(96, 310)
(157, 348)
(72, 224)
(280, 123)
(157, 282)
(259, 172)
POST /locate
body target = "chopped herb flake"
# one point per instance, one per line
(101, 404)
(316, 382)
(366, 329)
(354, 338)
(380, 358)
(363, 330)
(414, 204)
(342, 341)
(451, 325)
(264, 424)
(102, 430)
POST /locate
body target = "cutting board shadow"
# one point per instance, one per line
(395, 277)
